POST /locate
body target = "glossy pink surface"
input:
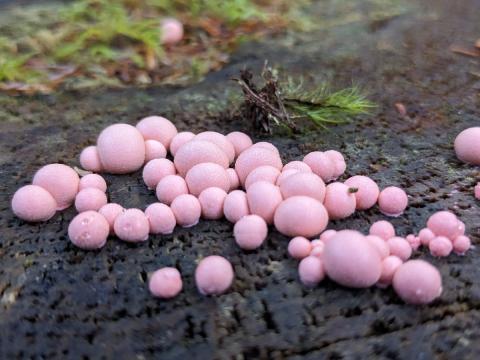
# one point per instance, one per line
(303, 183)
(321, 165)
(155, 170)
(382, 228)
(240, 141)
(263, 199)
(170, 187)
(467, 145)
(254, 157)
(461, 244)
(33, 203)
(220, 140)
(132, 226)
(339, 201)
(92, 181)
(440, 246)
(262, 173)
(157, 128)
(211, 202)
(311, 271)
(297, 165)
(165, 283)
(235, 206)
(368, 191)
(205, 175)
(160, 218)
(110, 212)
(392, 201)
(339, 163)
(379, 244)
(90, 160)
(389, 265)
(171, 31)
(88, 230)
(299, 247)
(197, 152)
(187, 210)
(444, 223)
(426, 235)
(90, 199)
(250, 232)
(180, 139)
(400, 247)
(213, 275)
(233, 178)
(154, 150)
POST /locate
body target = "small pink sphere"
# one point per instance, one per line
(303, 183)
(220, 140)
(211, 201)
(92, 181)
(90, 199)
(263, 198)
(197, 152)
(214, 275)
(110, 212)
(240, 141)
(417, 282)
(284, 175)
(311, 271)
(426, 235)
(267, 145)
(155, 170)
(440, 246)
(339, 163)
(368, 191)
(301, 216)
(262, 173)
(477, 191)
(170, 187)
(161, 219)
(233, 178)
(235, 206)
(299, 247)
(61, 181)
(321, 165)
(165, 283)
(461, 244)
(392, 201)
(467, 146)
(414, 241)
(254, 157)
(205, 175)
(383, 229)
(379, 244)
(33, 203)
(154, 150)
(157, 128)
(250, 232)
(180, 139)
(318, 248)
(390, 264)
(444, 223)
(132, 226)
(88, 230)
(327, 235)
(90, 160)
(297, 165)
(399, 247)
(187, 210)
(339, 201)
(171, 31)
(351, 261)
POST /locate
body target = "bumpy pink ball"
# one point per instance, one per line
(414, 241)
(154, 150)
(235, 206)
(132, 226)
(90, 199)
(180, 139)
(233, 178)
(165, 283)
(321, 165)
(339, 201)
(301, 216)
(299, 247)
(187, 210)
(90, 160)
(161, 219)
(284, 175)
(461, 245)
(262, 173)
(444, 223)
(171, 31)
(155, 170)
(157, 128)
(110, 212)
(426, 235)
(383, 229)
(61, 181)
(88, 230)
(440, 246)
(263, 198)
(297, 165)
(33, 203)
(211, 201)
(368, 191)
(467, 145)
(254, 157)
(170, 187)
(400, 247)
(220, 140)
(205, 175)
(240, 141)
(121, 149)
(214, 275)
(250, 232)
(339, 163)
(311, 271)
(92, 181)
(197, 152)
(389, 265)
(303, 183)
(392, 201)
(380, 245)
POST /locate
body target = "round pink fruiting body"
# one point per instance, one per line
(440, 246)
(90, 160)
(92, 181)
(267, 145)
(414, 241)
(327, 235)
(170, 187)
(379, 244)
(157, 128)
(110, 212)
(205, 175)
(417, 282)
(240, 141)
(235, 206)
(160, 218)
(132, 226)
(180, 139)
(90, 199)
(187, 210)
(301, 216)
(154, 150)
(351, 261)
(233, 179)
(339, 201)
(214, 275)
(318, 248)
(250, 232)
(303, 183)
(254, 157)
(220, 140)
(382, 228)
(262, 173)
(211, 201)
(299, 247)
(461, 244)
(297, 165)
(367, 193)
(197, 152)
(165, 283)
(263, 198)
(477, 191)
(61, 181)
(284, 175)
(339, 163)
(121, 149)
(425, 235)
(390, 264)
(88, 230)
(444, 223)
(33, 203)
(399, 247)
(321, 165)
(311, 271)
(467, 146)
(171, 31)
(155, 170)
(392, 201)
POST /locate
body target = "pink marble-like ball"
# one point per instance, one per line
(88, 230)
(171, 31)
(339, 201)
(380, 245)
(461, 244)
(299, 247)
(327, 235)
(297, 165)
(262, 173)
(187, 210)
(33, 203)
(263, 198)
(414, 241)
(90, 160)
(155, 170)
(235, 206)
(440, 246)
(214, 275)
(157, 128)
(154, 150)
(444, 223)
(180, 139)
(467, 146)
(400, 247)
(197, 152)
(392, 201)
(368, 191)
(205, 175)
(233, 178)
(339, 163)
(110, 212)
(383, 229)
(426, 235)
(212, 200)
(92, 181)
(165, 283)
(321, 164)
(390, 264)
(170, 187)
(267, 145)
(254, 157)
(220, 140)
(161, 218)
(90, 199)
(303, 183)
(132, 225)
(311, 271)
(284, 175)
(240, 141)
(250, 232)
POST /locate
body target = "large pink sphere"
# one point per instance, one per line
(161, 218)
(389, 266)
(400, 247)
(383, 229)
(299, 247)
(170, 187)
(303, 183)
(262, 173)
(180, 139)
(90, 199)
(214, 275)
(339, 163)
(311, 271)
(250, 232)
(321, 165)
(197, 152)
(254, 157)
(220, 140)
(110, 212)
(211, 201)
(171, 31)
(235, 206)
(461, 245)
(205, 175)
(90, 160)
(426, 235)
(155, 170)
(132, 226)
(444, 223)
(233, 178)
(165, 283)
(467, 145)
(392, 201)
(339, 201)
(88, 230)
(240, 141)
(187, 210)
(154, 150)
(263, 198)
(157, 128)
(440, 246)
(33, 203)
(93, 180)
(368, 191)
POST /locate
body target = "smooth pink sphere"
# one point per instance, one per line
(368, 191)
(339, 201)
(165, 283)
(426, 235)
(414, 241)
(267, 145)
(211, 201)
(254, 157)
(321, 165)
(477, 191)
(399, 247)
(440, 246)
(220, 140)
(327, 235)
(311, 271)
(467, 146)
(90, 160)
(157, 128)
(417, 282)
(392, 201)
(380, 245)
(170, 187)
(155, 170)
(132, 225)
(92, 181)
(297, 165)
(233, 178)
(284, 175)
(301, 216)
(121, 148)
(383, 229)
(263, 198)
(240, 141)
(171, 31)
(197, 152)
(351, 260)
(390, 264)
(299, 247)
(318, 248)
(154, 150)
(61, 181)
(262, 173)
(90, 199)
(180, 139)
(88, 230)
(339, 163)
(461, 244)
(250, 232)
(205, 175)
(110, 212)
(187, 210)
(444, 223)
(161, 218)
(33, 203)
(214, 275)
(235, 206)
(303, 183)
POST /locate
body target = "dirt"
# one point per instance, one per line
(57, 301)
